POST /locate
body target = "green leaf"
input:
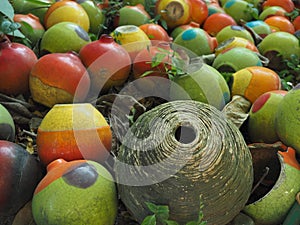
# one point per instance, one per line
(164, 24)
(40, 2)
(161, 211)
(152, 207)
(147, 73)
(17, 33)
(171, 222)
(157, 59)
(27, 28)
(149, 220)
(192, 223)
(6, 9)
(5, 26)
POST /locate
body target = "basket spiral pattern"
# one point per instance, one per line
(207, 161)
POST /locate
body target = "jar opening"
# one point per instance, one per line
(185, 134)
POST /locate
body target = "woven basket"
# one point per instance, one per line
(179, 152)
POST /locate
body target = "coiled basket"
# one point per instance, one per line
(182, 153)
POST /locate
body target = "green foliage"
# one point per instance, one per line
(150, 7)
(173, 67)
(41, 3)
(292, 15)
(7, 24)
(291, 75)
(161, 215)
(6, 9)
(111, 12)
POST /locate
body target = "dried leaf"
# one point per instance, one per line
(19, 99)
(17, 109)
(24, 216)
(35, 123)
(237, 110)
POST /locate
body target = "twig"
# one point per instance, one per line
(31, 134)
(266, 172)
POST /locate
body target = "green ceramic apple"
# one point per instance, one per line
(261, 120)
(204, 84)
(7, 125)
(259, 27)
(95, 14)
(273, 207)
(64, 37)
(193, 38)
(282, 43)
(240, 10)
(236, 59)
(75, 192)
(132, 15)
(271, 11)
(287, 121)
(233, 31)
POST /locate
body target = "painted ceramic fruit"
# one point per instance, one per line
(214, 8)
(76, 192)
(95, 14)
(239, 10)
(73, 131)
(235, 42)
(155, 32)
(184, 150)
(280, 23)
(132, 15)
(104, 72)
(216, 22)
(132, 38)
(199, 11)
(35, 30)
(174, 12)
(67, 11)
(286, 120)
(296, 23)
(204, 84)
(261, 120)
(177, 30)
(259, 27)
(278, 46)
(251, 82)
(282, 43)
(59, 78)
(16, 62)
(272, 207)
(192, 38)
(271, 11)
(7, 125)
(64, 37)
(233, 31)
(20, 174)
(288, 5)
(235, 59)
(37, 8)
